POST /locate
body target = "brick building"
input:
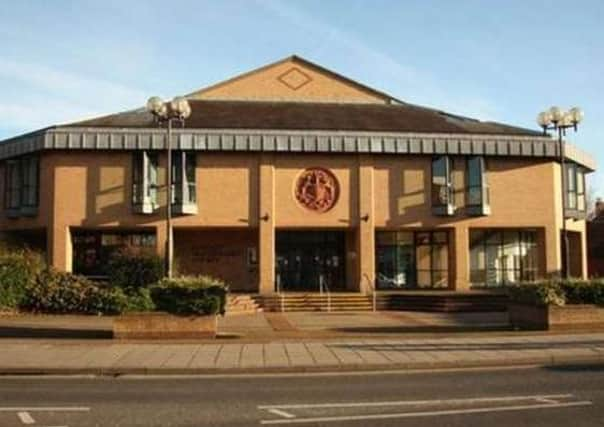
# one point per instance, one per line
(292, 177)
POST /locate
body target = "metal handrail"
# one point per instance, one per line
(373, 291)
(281, 296)
(324, 287)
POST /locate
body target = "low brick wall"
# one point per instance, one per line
(164, 326)
(575, 316)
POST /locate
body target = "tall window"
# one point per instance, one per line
(411, 260)
(575, 188)
(29, 181)
(144, 180)
(22, 185)
(13, 185)
(183, 178)
(477, 188)
(442, 195)
(499, 257)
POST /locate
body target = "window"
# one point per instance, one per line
(575, 189)
(477, 192)
(499, 257)
(92, 249)
(442, 196)
(29, 182)
(411, 260)
(13, 184)
(144, 181)
(184, 198)
(183, 178)
(22, 185)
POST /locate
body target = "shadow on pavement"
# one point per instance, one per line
(419, 328)
(31, 332)
(587, 367)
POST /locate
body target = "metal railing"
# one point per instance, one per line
(324, 288)
(372, 289)
(280, 293)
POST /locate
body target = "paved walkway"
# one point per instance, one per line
(108, 357)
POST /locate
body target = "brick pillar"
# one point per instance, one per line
(460, 258)
(366, 225)
(59, 247)
(266, 226)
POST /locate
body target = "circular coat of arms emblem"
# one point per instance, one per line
(317, 189)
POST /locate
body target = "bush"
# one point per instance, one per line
(137, 300)
(133, 269)
(196, 295)
(18, 271)
(583, 291)
(59, 292)
(537, 293)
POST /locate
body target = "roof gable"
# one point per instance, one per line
(292, 79)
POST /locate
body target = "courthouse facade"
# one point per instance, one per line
(292, 177)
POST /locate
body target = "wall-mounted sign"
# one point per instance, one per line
(317, 189)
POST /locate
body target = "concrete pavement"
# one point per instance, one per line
(113, 358)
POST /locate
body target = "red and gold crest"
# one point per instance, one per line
(317, 189)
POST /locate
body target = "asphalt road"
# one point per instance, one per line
(557, 396)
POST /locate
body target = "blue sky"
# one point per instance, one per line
(65, 60)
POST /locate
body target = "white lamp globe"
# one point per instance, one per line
(544, 119)
(577, 115)
(154, 104)
(556, 114)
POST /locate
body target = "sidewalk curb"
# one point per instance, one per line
(455, 364)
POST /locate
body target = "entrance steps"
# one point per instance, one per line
(412, 301)
(241, 304)
(315, 302)
(443, 302)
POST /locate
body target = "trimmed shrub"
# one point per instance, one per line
(59, 292)
(537, 293)
(137, 300)
(18, 271)
(190, 295)
(132, 269)
(583, 291)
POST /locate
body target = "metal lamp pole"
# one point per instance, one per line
(559, 121)
(167, 112)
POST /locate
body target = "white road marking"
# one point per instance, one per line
(281, 413)
(418, 402)
(427, 413)
(26, 418)
(45, 409)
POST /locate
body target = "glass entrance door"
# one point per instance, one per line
(307, 259)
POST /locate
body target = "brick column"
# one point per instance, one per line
(59, 247)
(266, 226)
(460, 258)
(366, 228)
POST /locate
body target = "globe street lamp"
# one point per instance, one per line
(557, 120)
(167, 113)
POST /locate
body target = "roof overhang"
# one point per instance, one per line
(294, 141)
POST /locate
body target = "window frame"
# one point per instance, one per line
(414, 243)
(524, 268)
(441, 195)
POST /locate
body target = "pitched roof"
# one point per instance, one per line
(295, 59)
(207, 114)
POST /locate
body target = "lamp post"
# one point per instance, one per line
(559, 121)
(167, 113)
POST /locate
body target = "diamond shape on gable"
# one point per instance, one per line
(294, 78)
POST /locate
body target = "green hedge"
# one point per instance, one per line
(59, 292)
(18, 271)
(558, 292)
(133, 269)
(190, 295)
